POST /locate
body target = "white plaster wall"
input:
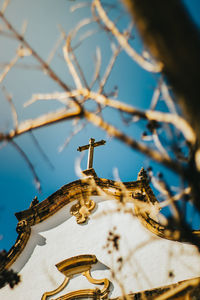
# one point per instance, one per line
(147, 259)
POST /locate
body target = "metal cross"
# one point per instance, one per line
(91, 146)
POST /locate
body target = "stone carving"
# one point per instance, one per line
(142, 175)
(82, 209)
(80, 265)
(22, 226)
(34, 202)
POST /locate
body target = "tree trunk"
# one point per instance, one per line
(173, 39)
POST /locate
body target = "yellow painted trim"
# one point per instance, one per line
(59, 289)
(81, 265)
(77, 191)
(73, 191)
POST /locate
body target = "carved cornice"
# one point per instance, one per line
(24, 232)
(186, 289)
(136, 191)
(74, 191)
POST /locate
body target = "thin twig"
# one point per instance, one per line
(79, 5)
(96, 75)
(67, 49)
(44, 120)
(123, 41)
(22, 66)
(55, 48)
(8, 67)
(46, 68)
(180, 287)
(38, 146)
(167, 98)
(150, 115)
(71, 135)
(5, 5)
(153, 154)
(162, 187)
(155, 98)
(176, 197)
(30, 165)
(14, 113)
(109, 68)
(158, 143)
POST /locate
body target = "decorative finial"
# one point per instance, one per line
(142, 175)
(91, 147)
(34, 201)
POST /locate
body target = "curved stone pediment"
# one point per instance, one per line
(113, 221)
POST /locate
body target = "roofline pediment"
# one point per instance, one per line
(136, 192)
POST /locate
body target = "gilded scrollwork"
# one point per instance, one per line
(22, 226)
(82, 265)
(82, 209)
(139, 190)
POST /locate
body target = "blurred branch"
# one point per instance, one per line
(8, 67)
(44, 120)
(150, 115)
(42, 152)
(76, 130)
(153, 154)
(173, 39)
(151, 23)
(176, 197)
(5, 5)
(183, 286)
(55, 48)
(30, 165)
(158, 143)
(109, 68)
(123, 41)
(76, 101)
(14, 113)
(46, 68)
(96, 76)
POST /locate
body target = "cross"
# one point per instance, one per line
(91, 146)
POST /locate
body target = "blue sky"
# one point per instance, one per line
(135, 87)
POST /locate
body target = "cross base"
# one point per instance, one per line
(89, 172)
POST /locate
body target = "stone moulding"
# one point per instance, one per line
(137, 192)
(183, 290)
(80, 265)
(76, 190)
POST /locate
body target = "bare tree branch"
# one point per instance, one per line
(153, 154)
(44, 65)
(29, 163)
(123, 41)
(8, 67)
(42, 152)
(14, 113)
(150, 115)
(164, 26)
(41, 121)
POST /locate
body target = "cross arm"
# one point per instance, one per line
(82, 148)
(102, 142)
(91, 147)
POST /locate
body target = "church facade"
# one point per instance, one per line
(100, 239)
